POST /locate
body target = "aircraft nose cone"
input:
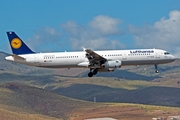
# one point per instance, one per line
(173, 58)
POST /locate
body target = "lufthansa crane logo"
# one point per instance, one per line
(16, 43)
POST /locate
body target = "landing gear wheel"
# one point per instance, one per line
(157, 71)
(90, 74)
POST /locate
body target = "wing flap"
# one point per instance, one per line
(94, 57)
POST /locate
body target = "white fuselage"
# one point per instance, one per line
(79, 59)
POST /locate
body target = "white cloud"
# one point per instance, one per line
(80, 36)
(96, 36)
(96, 44)
(164, 33)
(105, 25)
(45, 38)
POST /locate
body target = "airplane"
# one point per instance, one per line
(96, 61)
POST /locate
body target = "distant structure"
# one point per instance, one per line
(159, 118)
(94, 99)
(167, 118)
(174, 118)
(45, 86)
(178, 83)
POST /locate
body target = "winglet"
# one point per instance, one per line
(17, 45)
(84, 49)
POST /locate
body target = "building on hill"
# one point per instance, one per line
(174, 118)
(167, 118)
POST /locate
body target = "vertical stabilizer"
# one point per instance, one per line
(17, 45)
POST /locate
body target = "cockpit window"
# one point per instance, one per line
(166, 53)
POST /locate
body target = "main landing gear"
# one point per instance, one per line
(157, 71)
(92, 72)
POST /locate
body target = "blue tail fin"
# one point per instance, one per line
(17, 45)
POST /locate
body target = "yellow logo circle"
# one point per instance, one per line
(16, 43)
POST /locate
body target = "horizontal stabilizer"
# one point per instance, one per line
(17, 57)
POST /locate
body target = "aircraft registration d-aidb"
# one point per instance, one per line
(96, 61)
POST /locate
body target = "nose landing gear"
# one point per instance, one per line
(157, 71)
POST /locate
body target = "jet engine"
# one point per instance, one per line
(112, 64)
(83, 64)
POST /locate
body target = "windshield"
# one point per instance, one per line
(166, 53)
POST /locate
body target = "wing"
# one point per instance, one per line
(94, 58)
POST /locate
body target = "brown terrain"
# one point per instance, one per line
(69, 93)
(126, 112)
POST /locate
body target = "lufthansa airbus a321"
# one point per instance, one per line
(96, 61)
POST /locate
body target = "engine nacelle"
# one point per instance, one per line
(112, 64)
(83, 64)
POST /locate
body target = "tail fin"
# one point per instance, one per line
(17, 45)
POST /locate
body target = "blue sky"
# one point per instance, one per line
(69, 25)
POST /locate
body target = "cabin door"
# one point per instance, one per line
(124, 57)
(36, 59)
